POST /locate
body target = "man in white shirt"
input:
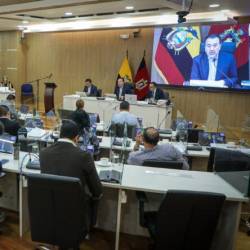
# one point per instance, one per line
(124, 116)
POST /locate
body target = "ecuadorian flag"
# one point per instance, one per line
(125, 71)
(175, 52)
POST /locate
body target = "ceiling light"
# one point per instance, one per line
(129, 7)
(68, 14)
(215, 5)
(25, 21)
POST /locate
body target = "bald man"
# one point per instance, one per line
(153, 151)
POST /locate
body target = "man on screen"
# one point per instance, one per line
(214, 64)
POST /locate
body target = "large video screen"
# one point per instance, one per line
(215, 56)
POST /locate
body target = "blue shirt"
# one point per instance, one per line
(163, 152)
(125, 117)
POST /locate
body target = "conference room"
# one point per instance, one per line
(124, 124)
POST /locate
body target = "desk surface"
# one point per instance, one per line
(160, 180)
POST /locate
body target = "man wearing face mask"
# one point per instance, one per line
(214, 64)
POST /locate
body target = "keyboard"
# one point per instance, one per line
(194, 147)
(165, 131)
(120, 143)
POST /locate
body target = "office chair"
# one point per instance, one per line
(185, 220)
(99, 93)
(118, 130)
(163, 164)
(58, 210)
(227, 160)
(2, 214)
(27, 92)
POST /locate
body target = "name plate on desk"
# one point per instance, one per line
(204, 83)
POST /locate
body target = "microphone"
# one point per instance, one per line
(225, 75)
(165, 117)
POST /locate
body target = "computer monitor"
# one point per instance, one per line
(205, 138)
(132, 99)
(92, 118)
(64, 113)
(81, 94)
(193, 135)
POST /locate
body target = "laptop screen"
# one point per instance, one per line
(205, 138)
(6, 146)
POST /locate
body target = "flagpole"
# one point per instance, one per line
(144, 53)
(127, 54)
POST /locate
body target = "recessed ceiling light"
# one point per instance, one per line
(215, 5)
(129, 7)
(68, 14)
(25, 21)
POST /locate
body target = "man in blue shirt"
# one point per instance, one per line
(214, 64)
(153, 151)
(124, 116)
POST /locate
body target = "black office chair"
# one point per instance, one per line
(163, 164)
(185, 220)
(57, 209)
(227, 160)
(118, 130)
(99, 93)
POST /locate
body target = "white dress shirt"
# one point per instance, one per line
(212, 68)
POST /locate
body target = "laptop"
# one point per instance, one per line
(6, 146)
(81, 94)
(132, 99)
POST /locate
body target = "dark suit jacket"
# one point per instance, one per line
(159, 94)
(10, 126)
(81, 118)
(93, 90)
(226, 68)
(65, 159)
(126, 90)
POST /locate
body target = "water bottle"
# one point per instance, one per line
(16, 151)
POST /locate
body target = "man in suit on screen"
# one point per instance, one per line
(214, 64)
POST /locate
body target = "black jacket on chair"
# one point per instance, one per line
(63, 158)
(10, 126)
(93, 90)
(81, 118)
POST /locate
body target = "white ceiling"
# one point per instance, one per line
(13, 12)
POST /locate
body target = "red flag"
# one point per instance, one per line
(142, 80)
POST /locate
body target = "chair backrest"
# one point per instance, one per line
(228, 160)
(99, 92)
(163, 164)
(57, 209)
(119, 129)
(187, 220)
(193, 135)
(27, 88)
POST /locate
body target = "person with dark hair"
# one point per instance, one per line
(214, 64)
(10, 103)
(80, 116)
(90, 89)
(153, 151)
(10, 126)
(156, 93)
(64, 158)
(124, 116)
(122, 89)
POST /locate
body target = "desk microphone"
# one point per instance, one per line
(165, 117)
(225, 75)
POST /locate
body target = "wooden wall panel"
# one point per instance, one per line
(75, 56)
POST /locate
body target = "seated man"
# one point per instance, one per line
(156, 93)
(10, 126)
(124, 116)
(80, 116)
(152, 151)
(214, 64)
(122, 89)
(66, 159)
(90, 89)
